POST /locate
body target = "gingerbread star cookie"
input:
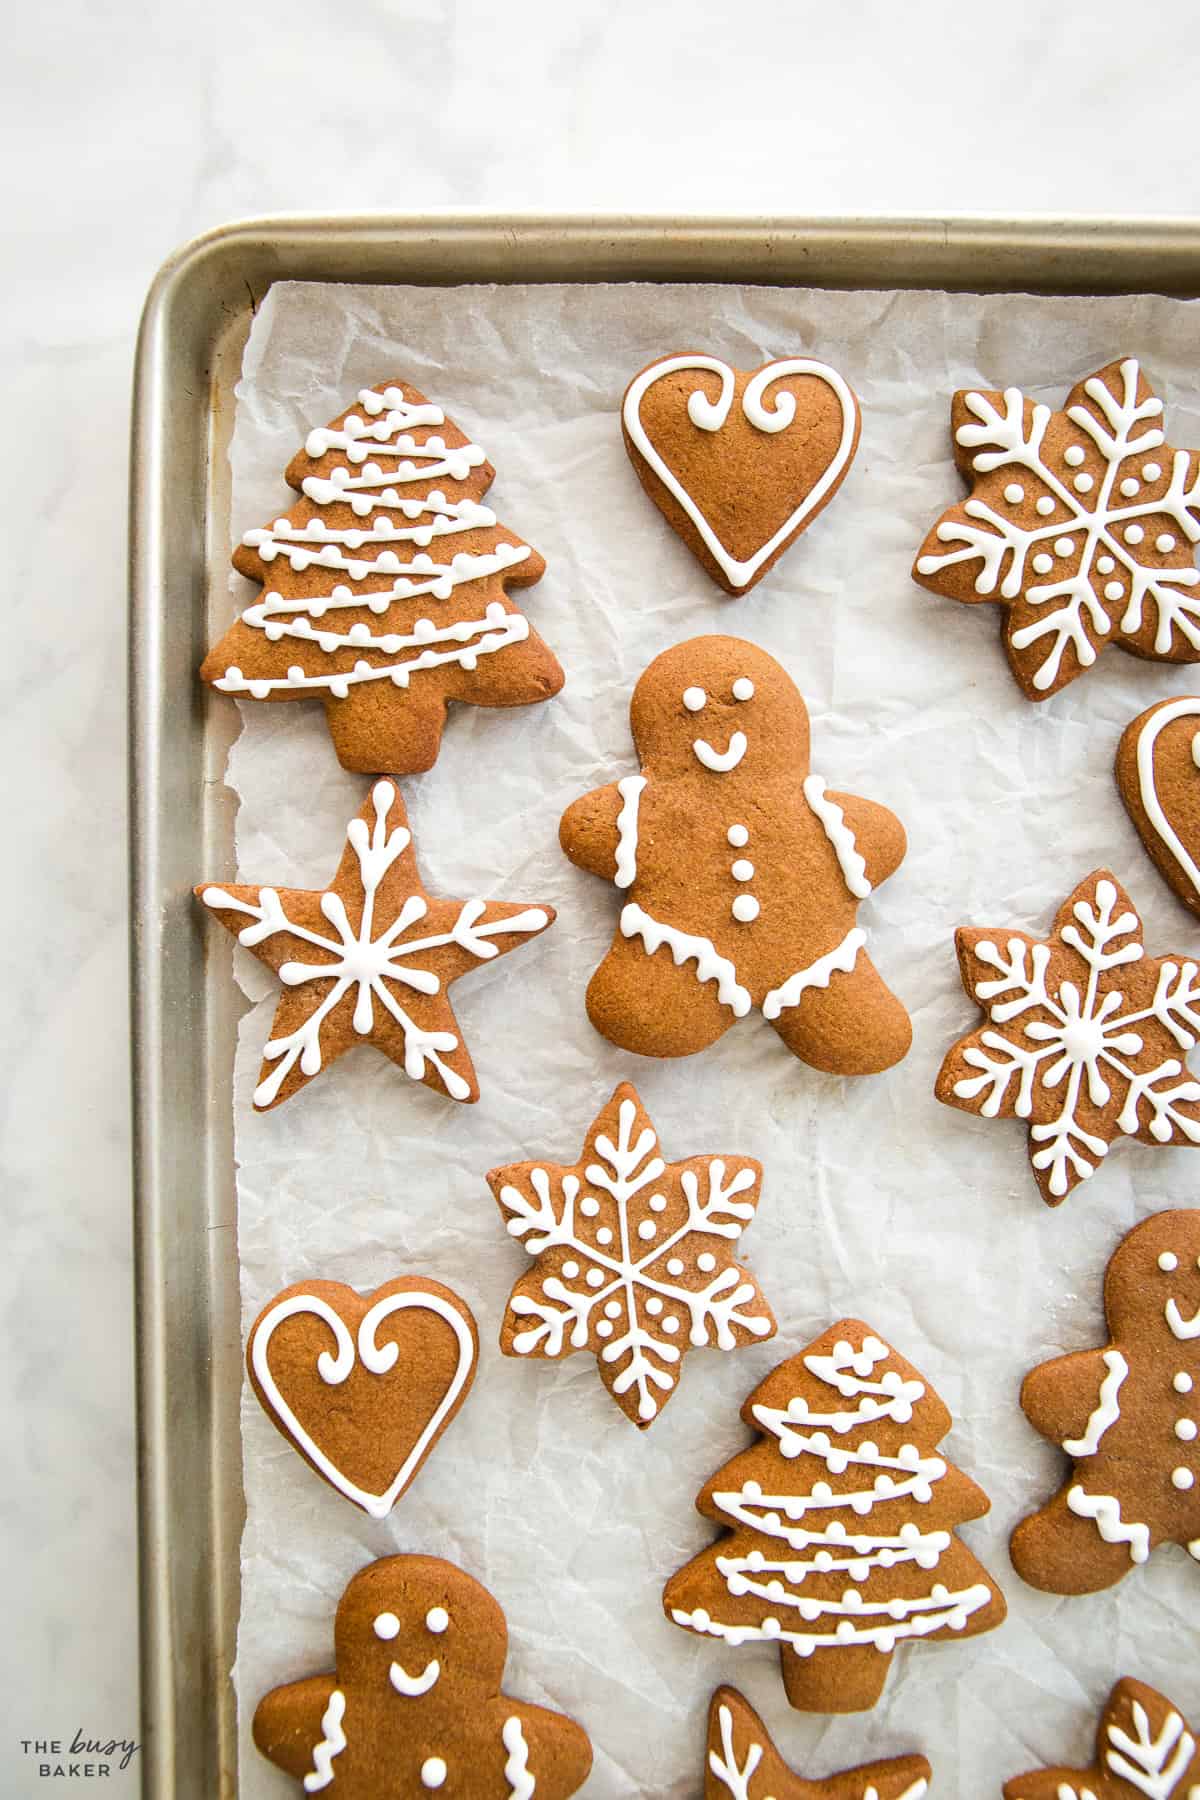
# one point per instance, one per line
(369, 959)
(1086, 1036)
(1158, 776)
(634, 1257)
(743, 1764)
(1128, 1416)
(1144, 1751)
(385, 587)
(739, 462)
(1081, 523)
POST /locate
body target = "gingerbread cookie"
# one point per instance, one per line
(634, 1257)
(415, 1704)
(1128, 1416)
(1081, 523)
(743, 1764)
(741, 873)
(739, 462)
(1144, 1751)
(1158, 774)
(384, 588)
(363, 1385)
(839, 1524)
(1086, 1036)
(369, 959)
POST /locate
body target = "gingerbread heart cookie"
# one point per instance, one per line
(363, 1385)
(1158, 774)
(739, 462)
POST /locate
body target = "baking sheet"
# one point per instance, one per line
(876, 1200)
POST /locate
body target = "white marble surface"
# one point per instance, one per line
(123, 132)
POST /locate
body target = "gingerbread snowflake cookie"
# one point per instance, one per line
(739, 462)
(369, 959)
(634, 1257)
(363, 1385)
(839, 1541)
(415, 1703)
(385, 587)
(1086, 1036)
(1158, 775)
(1080, 522)
(1128, 1416)
(743, 1764)
(1144, 1751)
(741, 874)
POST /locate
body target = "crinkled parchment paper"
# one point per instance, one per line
(877, 1200)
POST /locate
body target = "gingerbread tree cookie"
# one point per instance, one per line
(743, 1764)
(1086, 1036)
(385, 587)
(839, 1526)
(634, 1257)
(369, 959)
(415, 1703)
(1081, 523)
(741, 873)
(1128, 1416)
(1144, 1751)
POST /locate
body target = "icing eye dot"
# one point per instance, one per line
(743, 688)
(1134, 534)
(1164, 543)
(707, 1262)
(433, 1772)
(1042, 563)
(695, 699)
(437, 1619)
(1182, 1479)
(1045, 505)
(1014, 493)
(387, 1626)
(744, 909)
(1082, 483)
(1168, 1261)
(742, 870)
(1105, 565)
(1151, 471)
(1064, 546)
(1113, 590)
(1130, 486)
(738, 836)
(1073, 455)
(1182, 1382)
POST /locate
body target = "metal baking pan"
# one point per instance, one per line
(184, 1011)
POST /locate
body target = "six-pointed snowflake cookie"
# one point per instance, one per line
(634, 1257)
(369, 959)
(743, 1764)
(1080, 522)
(1144, 1751)
(1086, 1036)
(1128, 1416)
(415, 1703)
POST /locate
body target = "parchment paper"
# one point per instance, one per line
(877, 1200)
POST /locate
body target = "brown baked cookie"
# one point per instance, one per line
(1085, 1039)
(1158, 775)
(369, 959)
(1080, 523)
(839, 1540)
(1143, 1749)
(741, 873)
(384, 588)
(415, 1703)
(1128, 1416)
(743, 1764)
(739, 462)
(634, 1257)
(363, 1385)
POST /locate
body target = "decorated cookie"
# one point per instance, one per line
(839, 1524)
(363, 1385)
(1144, 1751)
(743, 1764)
(1081, 523)
(740, 873)
(739, 462)
(1158, 774)
(385, 587)
(634, 1257)
(1129, 1418)
(369, 959)
(415, 1703)
(1086, 1036)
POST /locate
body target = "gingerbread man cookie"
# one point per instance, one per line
(1144, 1751)
(1158, 776)
(741, 873)
(743, 1764)
(1128, 1416)
(415, 1705)
(385, 587)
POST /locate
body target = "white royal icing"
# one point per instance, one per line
(433, 1772)
(711, 415)
(686, 947)
(721, 761)
(841, 959)
(1107, 1410)
(1105, 1513)
(333, 1742)
(1147, 787)
(630, 790)
(412, 1687)
(1184, 1329)
(521, 1783)
(735, 1775)
(1153, 1763)
(833, 822)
